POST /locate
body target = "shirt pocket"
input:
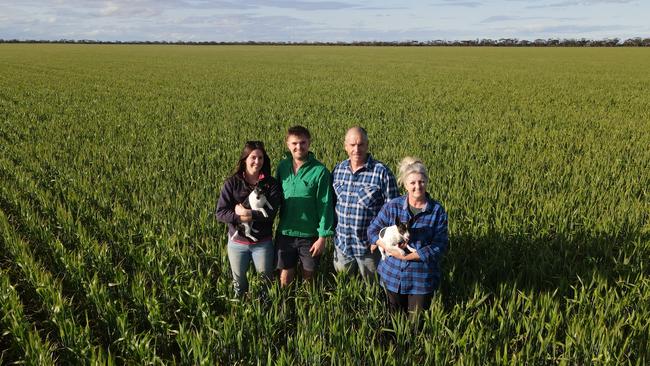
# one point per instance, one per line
(369, 196)
(339, 190)
(303, 188)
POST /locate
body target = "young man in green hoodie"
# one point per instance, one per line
(307, 212)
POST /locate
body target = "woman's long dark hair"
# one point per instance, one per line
(249, 147)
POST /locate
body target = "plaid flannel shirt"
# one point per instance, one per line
(359, 197)
(429, 237)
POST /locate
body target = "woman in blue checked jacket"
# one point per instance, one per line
(411, 279)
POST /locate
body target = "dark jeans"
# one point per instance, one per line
(411, 303)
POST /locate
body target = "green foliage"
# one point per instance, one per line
(112, 158)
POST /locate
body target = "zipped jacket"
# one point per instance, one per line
(235, 191)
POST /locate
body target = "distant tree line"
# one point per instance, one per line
(485, 42)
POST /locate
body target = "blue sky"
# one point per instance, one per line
(326, 20)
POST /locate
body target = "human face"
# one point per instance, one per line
(356, 147)
(416, 186)
(254, 162)
(298, 146)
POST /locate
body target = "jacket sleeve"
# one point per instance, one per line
(274, 196)
(431, 253)
(390, 189)
(226, 205)
(325, 204)
(380, 221)
(335, 221)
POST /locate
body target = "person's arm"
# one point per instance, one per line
(325, 209)
(382, 220)
(324, 204)
(390, 186)
(335, 221)
(389, 191)
(226, 205)
(245, 214)
(413, 256)
(439, 241)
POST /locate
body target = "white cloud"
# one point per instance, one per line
(463, 4)
(586, 3)
(517, 18)
(320, 20)
(110, 9)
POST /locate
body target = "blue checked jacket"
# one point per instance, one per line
(429, 237)
(359, 197)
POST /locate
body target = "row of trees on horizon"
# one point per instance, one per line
(485, 42)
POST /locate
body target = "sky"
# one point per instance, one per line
(322, 20)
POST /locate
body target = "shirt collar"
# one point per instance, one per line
(368, 165)
(427, 208)
(259, 178)
(310, 156)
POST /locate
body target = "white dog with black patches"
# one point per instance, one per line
(393, 236)
(256, 201)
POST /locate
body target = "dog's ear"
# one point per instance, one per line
(398, 222)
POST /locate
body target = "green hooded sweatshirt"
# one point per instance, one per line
(307, 209)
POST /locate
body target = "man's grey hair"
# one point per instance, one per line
(360, 130)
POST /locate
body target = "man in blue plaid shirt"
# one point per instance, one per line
(362, 185)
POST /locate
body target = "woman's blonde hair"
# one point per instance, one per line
(410, 165)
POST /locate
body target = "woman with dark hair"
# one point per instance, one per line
(253, 170)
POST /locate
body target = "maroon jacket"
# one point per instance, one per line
(235, 191)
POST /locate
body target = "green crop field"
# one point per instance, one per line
(112, 158)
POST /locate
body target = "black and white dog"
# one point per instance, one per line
(393, 236)
(256, 201)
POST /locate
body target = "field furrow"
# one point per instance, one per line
(26, 344)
